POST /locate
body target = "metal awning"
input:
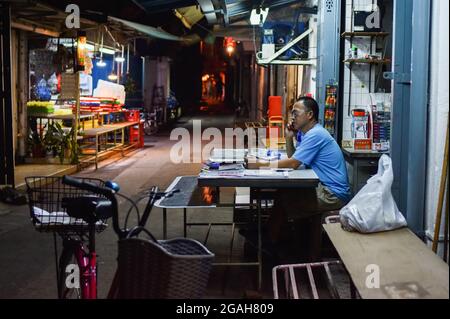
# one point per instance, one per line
(156, 6)
(209, 8)
(148, 30)
(189, 15)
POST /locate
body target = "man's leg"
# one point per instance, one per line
(305, 207)
(326, 201)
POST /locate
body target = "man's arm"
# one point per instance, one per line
(290, 146)
(291, 139)
(285, 163)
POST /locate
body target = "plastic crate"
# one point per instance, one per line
(133, 116)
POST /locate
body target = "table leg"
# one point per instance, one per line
(258, 194)
(123, 139)
(96, 151)
(164, 223)
(184, 222)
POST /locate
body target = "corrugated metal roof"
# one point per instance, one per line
(154, 6)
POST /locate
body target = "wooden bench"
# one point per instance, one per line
(405, 266)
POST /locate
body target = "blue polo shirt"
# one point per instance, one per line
(319, 150)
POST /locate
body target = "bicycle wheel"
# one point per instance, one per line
(150, 128)
(69, 276)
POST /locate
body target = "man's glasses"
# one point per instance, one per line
(296, 113)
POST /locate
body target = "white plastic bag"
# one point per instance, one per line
(373, 209)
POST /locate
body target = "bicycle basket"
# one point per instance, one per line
(45, 196)
(166, 269)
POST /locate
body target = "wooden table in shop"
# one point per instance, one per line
(64, 117)
(114, 129)
(407, 268)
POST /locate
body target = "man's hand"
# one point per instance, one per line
(290, 131)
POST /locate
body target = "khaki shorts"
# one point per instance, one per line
(300, 203)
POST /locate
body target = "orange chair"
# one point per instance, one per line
(275, 119)
(275, 107)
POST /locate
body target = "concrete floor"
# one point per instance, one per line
(24, 170)
(27, 260)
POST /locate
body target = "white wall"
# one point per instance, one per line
(307, 84)
(439, 108)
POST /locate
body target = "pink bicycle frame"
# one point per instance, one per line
(88, 272)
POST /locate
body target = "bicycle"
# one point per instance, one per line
(150, 125)
(152, 121)
(77, 209)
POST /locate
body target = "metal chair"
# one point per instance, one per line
(293, 285)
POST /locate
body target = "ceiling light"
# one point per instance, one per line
(120, 59)
(258, 16)
(101, 63)
(112, 77)
(119, 56)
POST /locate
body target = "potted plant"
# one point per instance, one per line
(36, 145)
(61, 143)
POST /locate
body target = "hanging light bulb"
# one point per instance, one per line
(113, 75)
(120, 59)
(101, 63)
(128, 58)
(230, 45)
(119, 56)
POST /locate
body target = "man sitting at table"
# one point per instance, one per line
(316, 149)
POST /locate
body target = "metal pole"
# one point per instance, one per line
(6, 129)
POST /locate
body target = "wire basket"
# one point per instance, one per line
(45, 195)
(166, 269)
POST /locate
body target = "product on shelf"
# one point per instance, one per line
(381, 127)
(95, 104)
(40, 107)
(330, 109)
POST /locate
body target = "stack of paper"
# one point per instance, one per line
(228, 155)
(266, 154)
(231, 167)
(266, 173)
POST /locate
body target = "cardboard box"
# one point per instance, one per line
(362, 144)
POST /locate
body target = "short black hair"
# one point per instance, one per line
(310, 105)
